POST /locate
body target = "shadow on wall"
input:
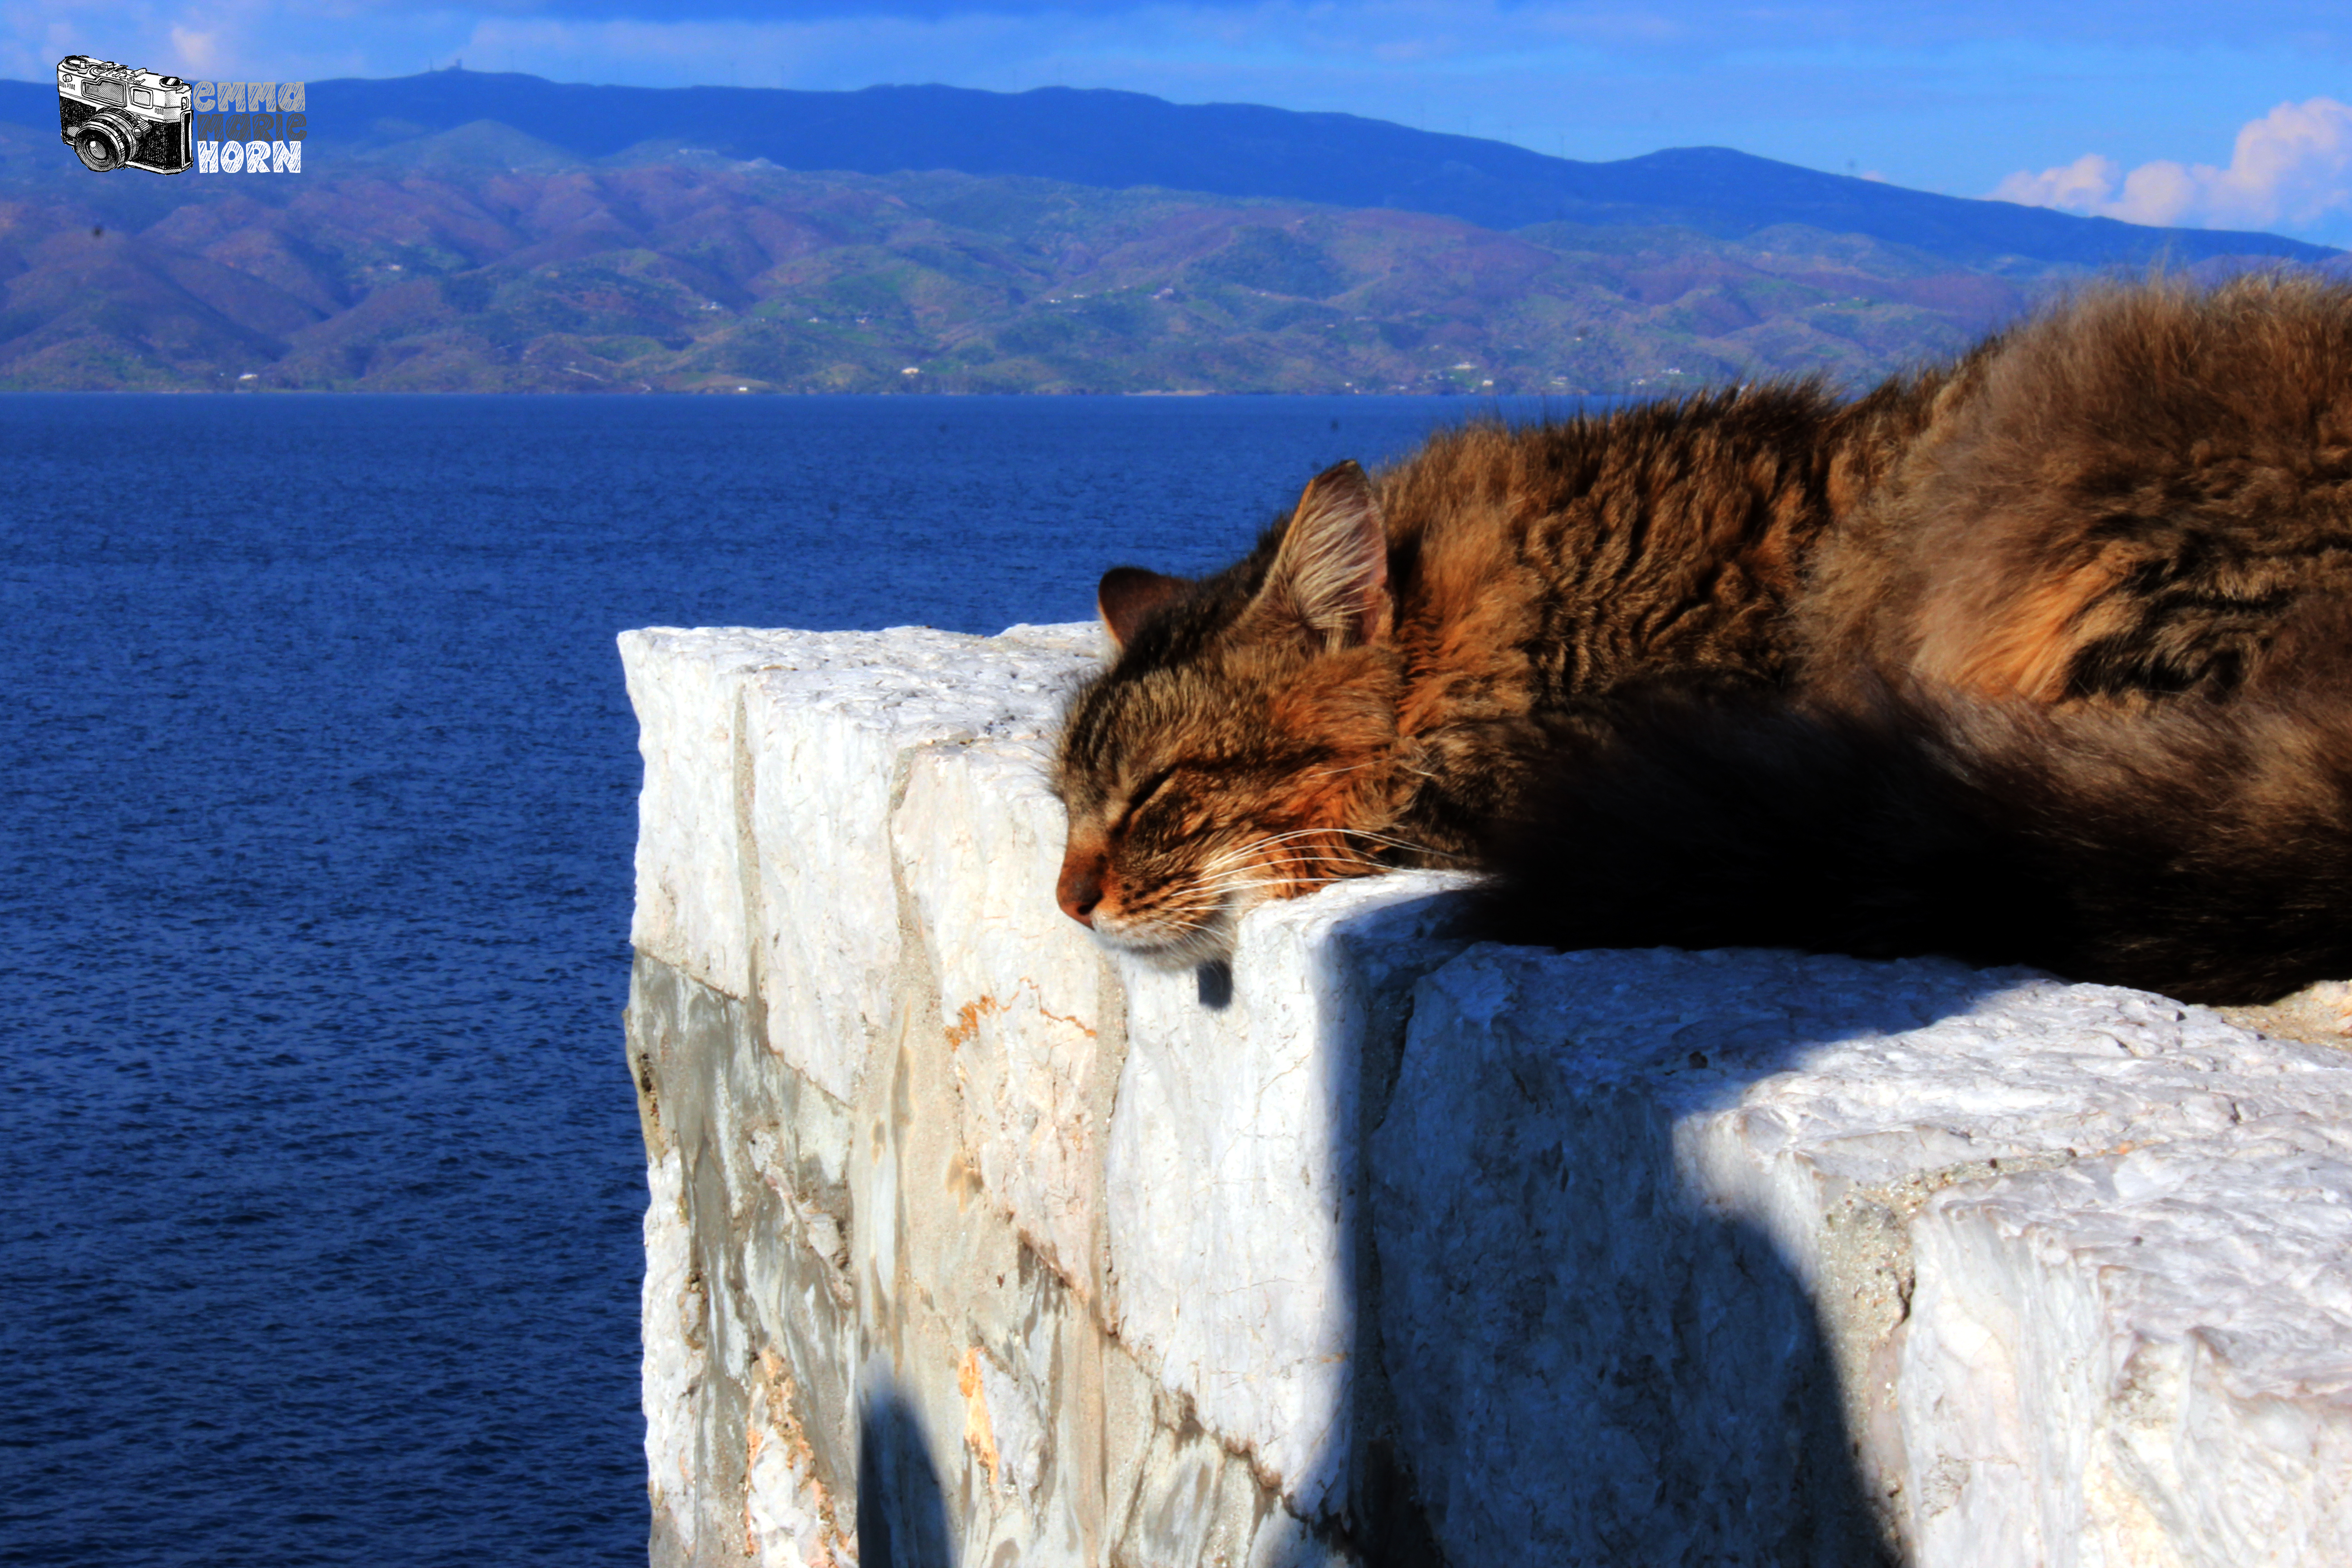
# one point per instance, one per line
(1582, 1365)
(902, 1515)
(1692, 1418)
(1561, 1357)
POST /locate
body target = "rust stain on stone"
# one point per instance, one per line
(964, 1182)
(774, 1397)
(977, 1434)
(968, 1017)
(1039, 991)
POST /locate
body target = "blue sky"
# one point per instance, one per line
(2238, 116)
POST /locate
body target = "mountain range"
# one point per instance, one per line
(466, 230)
(1118, 141)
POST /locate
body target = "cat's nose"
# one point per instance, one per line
(1080, 889)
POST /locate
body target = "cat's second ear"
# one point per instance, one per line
(1330, 576)
(1127, 596)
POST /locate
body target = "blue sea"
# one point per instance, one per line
(320, 1172)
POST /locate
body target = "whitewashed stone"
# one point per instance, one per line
(690, 905)
(788, 1520)
(1655, 1258)
(2145, 1357)
(1284, 1540)
(795, 741)
(1647, 1202)
(829, 738)
(1233, 1173)
(885, 1179)
(670, 1365)
(780, 1528)
(978, 837)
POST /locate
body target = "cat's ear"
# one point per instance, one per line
(1128, 594)
(1330, 575)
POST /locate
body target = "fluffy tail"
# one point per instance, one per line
(2189, 847)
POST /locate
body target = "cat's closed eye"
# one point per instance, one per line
(1143, 795)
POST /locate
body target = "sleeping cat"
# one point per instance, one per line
(2042, 656)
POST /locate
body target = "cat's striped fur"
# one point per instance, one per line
(2044, 655)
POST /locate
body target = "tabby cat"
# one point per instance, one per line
(2042, 655)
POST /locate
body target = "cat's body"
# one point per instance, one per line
(2042, 656)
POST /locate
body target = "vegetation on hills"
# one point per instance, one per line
(710, 275)
(458, 231)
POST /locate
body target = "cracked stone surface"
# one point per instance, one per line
(1721, 1214)
(967, 1245)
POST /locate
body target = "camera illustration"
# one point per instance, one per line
(113, 115)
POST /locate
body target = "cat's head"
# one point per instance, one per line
(1240, 746)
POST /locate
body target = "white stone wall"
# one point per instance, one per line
(966, 1246)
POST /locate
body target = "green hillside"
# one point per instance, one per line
(717, 276)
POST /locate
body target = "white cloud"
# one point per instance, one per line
(2079, 186)
(2292, 169)
(195, 52)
